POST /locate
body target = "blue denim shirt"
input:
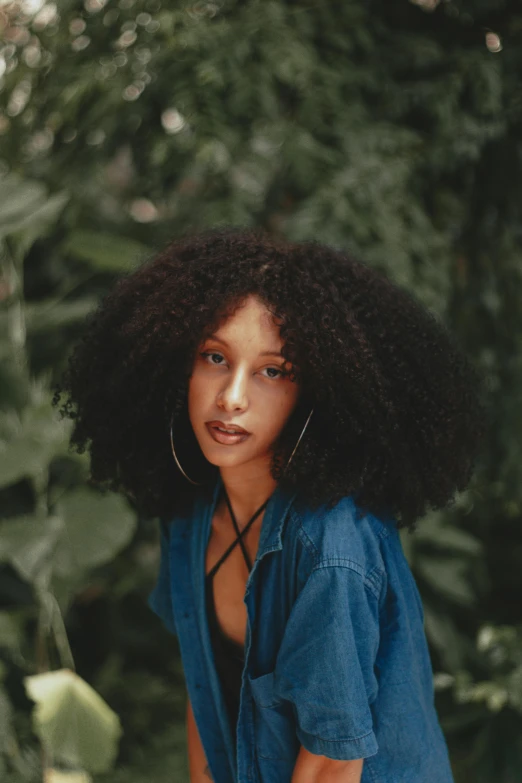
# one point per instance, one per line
(336, 657)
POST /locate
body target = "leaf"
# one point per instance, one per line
(514, 683)
(53, 313)
(10, 631)
(27, 542)
(26, 210)
(445, 576)
(96, 527)
(76, 726)
(106, 252)
(41, 436)
(88, 529)
(13, 380)
(449, 538)
(53, 775)
(17, 198)
(38, 223)
(25, 456)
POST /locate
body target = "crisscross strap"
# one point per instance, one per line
(239, 539)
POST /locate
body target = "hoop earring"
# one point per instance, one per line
(199, 483)
(299, 439)
(196, 483)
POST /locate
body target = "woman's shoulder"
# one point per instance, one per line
(343, 535)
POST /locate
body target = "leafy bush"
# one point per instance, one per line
(390, 129)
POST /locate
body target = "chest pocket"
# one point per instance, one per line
(274, 722)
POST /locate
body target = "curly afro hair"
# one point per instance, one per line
(398, 414)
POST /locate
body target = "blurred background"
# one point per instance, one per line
(392, 129)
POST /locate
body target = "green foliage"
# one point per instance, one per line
(391, 129)
(104, 252)
(68, 531)
(75, 725)
(490, 712)
(26, 211)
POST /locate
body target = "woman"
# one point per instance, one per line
(284, 410)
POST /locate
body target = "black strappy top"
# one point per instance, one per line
(229, 655)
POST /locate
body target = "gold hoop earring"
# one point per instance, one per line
(199, 484)
(299, 439)
(196, 483)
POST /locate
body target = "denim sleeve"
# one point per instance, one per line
(325, 665)
(160, 599)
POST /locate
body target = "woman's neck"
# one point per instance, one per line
(246, 490)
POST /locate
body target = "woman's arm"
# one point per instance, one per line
(198, 768)
(310, 768)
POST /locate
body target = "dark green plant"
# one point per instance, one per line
(392, 129)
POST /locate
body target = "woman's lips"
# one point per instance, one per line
(225, 438)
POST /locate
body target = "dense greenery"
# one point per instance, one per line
(392, 129)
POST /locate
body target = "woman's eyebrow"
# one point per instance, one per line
(263, 353)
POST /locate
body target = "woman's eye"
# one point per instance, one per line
(274, 369)
(211, 353)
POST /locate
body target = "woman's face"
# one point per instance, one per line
(239, 378)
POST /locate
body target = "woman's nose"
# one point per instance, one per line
(234, 394)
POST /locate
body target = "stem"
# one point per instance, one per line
(13, 274)
(42, 651)
(60, 634)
